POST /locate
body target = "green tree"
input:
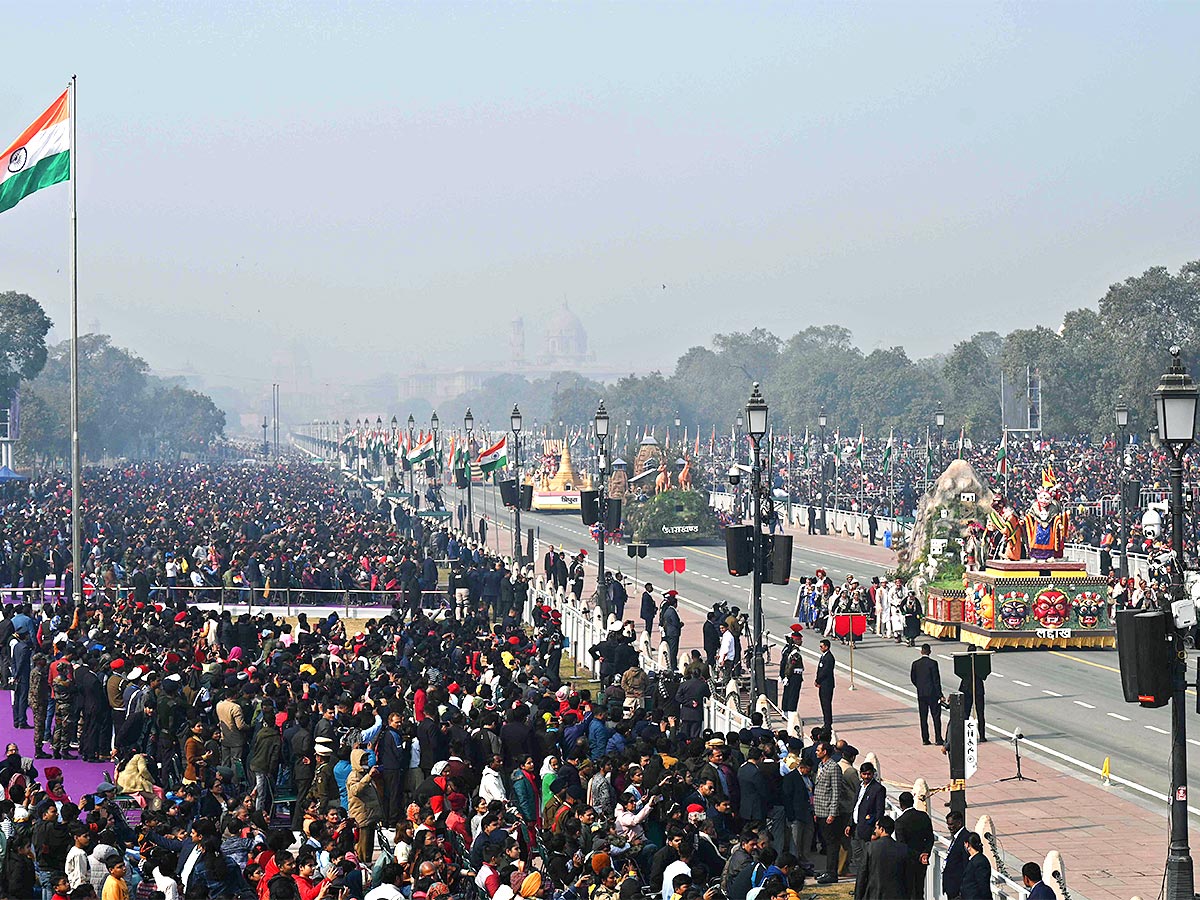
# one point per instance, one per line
(23, 329)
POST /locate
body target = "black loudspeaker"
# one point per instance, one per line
(780, 571)
(461, 478)
(508, 492)
(1153, 652)
(1133, 496)
(1126, 657)
(589, 507)
(527, 498)
(430, 468)
(739, 553)
(612, 521)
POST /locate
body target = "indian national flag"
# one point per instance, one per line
(422, 449)
(1002, 455)
(40, 157)
(494, 457)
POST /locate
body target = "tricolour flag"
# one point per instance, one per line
(421, 450)
(494, 457)
(887, 451)
(40, 157)
(1002, 455)
(861, 443)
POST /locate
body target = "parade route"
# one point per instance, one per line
(1068, 704)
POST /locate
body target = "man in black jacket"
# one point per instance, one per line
(884, 873)
(914, 829)
(927, 679)
(956, 856)
(825, 684)
(672, 628)
(649, 609)
(868, 810)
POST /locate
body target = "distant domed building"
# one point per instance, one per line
(566, 338)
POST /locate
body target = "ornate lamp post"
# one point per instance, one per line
(939, 419)
(433, 427)
(822, 421)
(412, 489)
(1122, 416)
(516, 430)
(601, 423)
(1175, 403)
(756, 420)
(395, 449)
(469, 428)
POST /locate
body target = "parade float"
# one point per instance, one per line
(659, 503)
(556, 484)
(996, 578)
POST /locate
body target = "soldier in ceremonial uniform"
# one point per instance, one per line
(791, 674)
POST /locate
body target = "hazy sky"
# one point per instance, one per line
(390, 183)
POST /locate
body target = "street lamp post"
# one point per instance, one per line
(1175, 404)
(358, 450)
(737, 495)
(822, 421)
(266, 446)
(395, 449)
(345, 433)
(939, 419)
(1122, 416)
(756, 421)
(412, 485)
(469, 428)
(433, 427)
(516, 430)
(601, 423)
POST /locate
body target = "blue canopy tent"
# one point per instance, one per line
(7, 475)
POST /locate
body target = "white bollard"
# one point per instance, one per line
(920, 792)
(1054, 874)
(986, 830)
(874, 760)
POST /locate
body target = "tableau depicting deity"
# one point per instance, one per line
(1041, 532)
(1046, 523)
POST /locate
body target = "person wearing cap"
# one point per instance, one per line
(672, 628)
(39, 702)
(22, 663)
(791, 674)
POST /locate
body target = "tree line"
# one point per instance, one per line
(124, 409)
(1119, 349)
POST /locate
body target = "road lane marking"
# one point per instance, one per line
(994, 674)
(1022, 683)
(1086, 662)
(944, 656)
(1118, 716)
(1155, 728)
(1077, 702)
(1051, 693)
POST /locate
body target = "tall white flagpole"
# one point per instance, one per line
(77, 562)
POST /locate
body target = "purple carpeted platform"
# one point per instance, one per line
(79, 777)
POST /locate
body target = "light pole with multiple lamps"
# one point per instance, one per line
(1122, 416)
(468, 429)
(601, 423)
(756, 423)
(516, 430)
(1175, 403)
(822, 421)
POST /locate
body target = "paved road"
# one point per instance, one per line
(1068, 704)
